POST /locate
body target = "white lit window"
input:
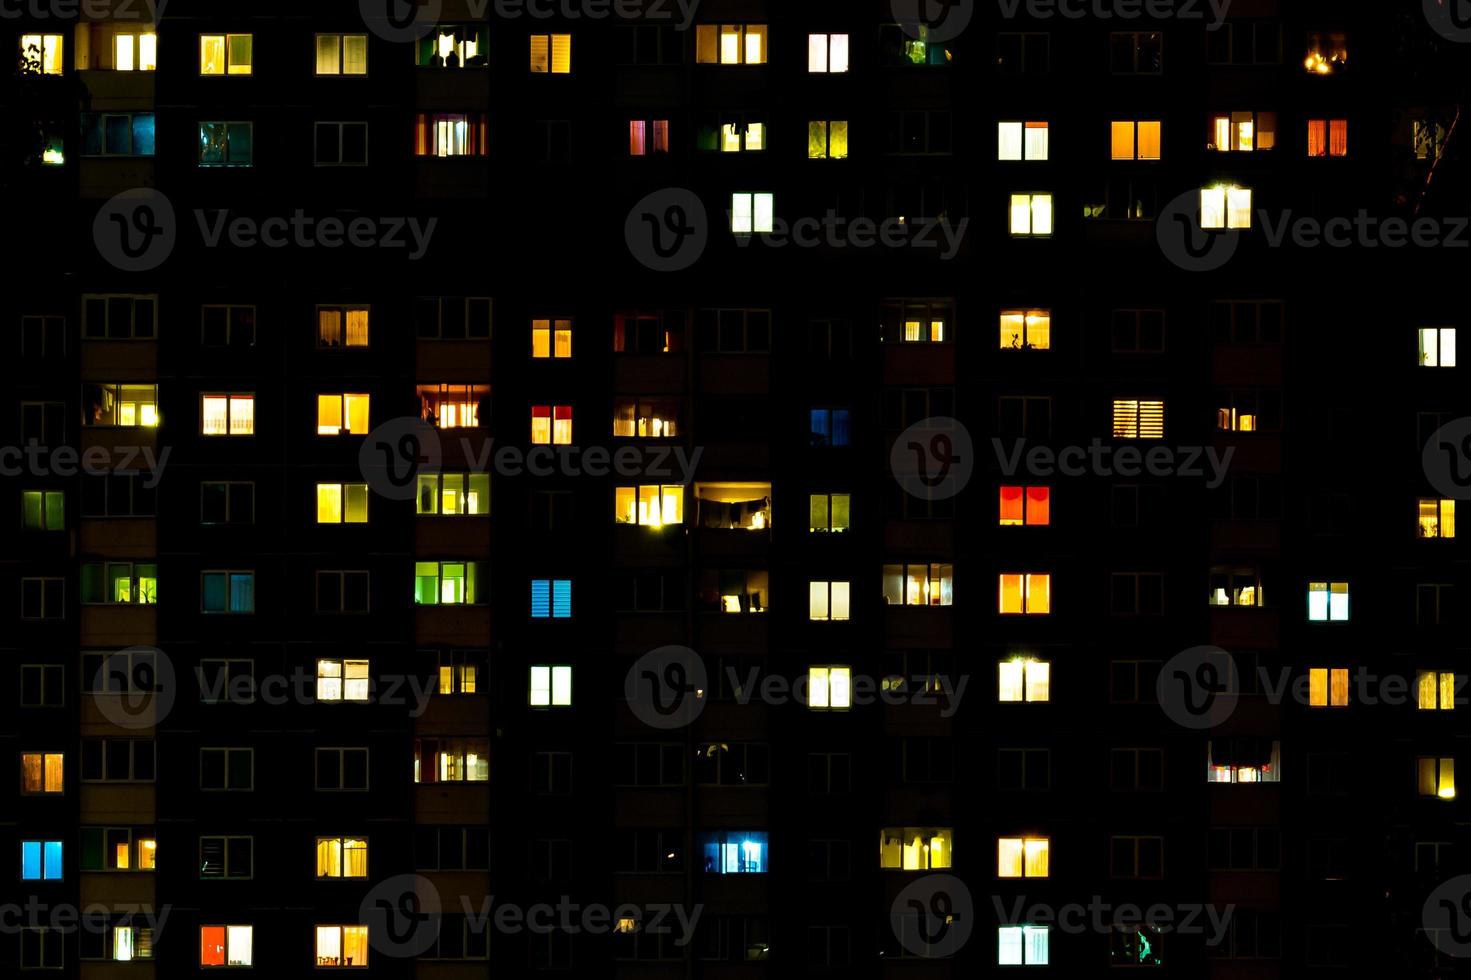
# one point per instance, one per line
(227, 415)
(827, 54)
(1024, 679)
(752, 213)
(1437, 346)
(1224, 207)
(342, 680)
(342, 946)
(1021, 141)
(1031, 214)
(830, 688)
(1328, 602)
(551, 686)
(41, 53)
(829, 601)
(1021, 946)
(135, 52)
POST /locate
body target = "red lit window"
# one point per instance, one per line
(551, 425)
(1327, 137)
(1026, 505)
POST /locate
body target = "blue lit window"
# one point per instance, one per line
(226, 144)
(551, 598)
(40, 860)
(229, 592)
(729, 852)
(831, 426)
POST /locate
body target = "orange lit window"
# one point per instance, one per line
(551, 338)
(226, 945)
(1328, 687)
(1133, 140)
(42, 772)
(1327, 137)
(1026, 505)
(1026, 593)
(1437, 518)
(551, 425)
(1026, 329)
(1138, 419)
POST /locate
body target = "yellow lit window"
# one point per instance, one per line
(1025, 505)
(1133, 419)
(1224, 207)
(1031, 214)
(1437, 346)
(1435, 690)
(1327, 137)
(1243, 132)
(1026, 329)
(1135, 140)
(342, 415)
(342, 857)
(827, 139)
(739, 137)
(645, 418)
(1328, 687)
(730, 44)
(924, 331)
(830, 688)
(342, 680)
(147, 854)
(919, 584)
(1022, 857)
(1023, 679)
(1327, 52)
(551, 338)
(225, 54)
(42, 53)
(551, 425)
(42, 772)
(915, 848)
(829, 512)
(342, 54)
(551, 54)
(1437, 518)
(829, 601)
(342, 946)
(457, 678)
(1025, 594)
(1021, 141)
(1438, 777)
(135, 52)
(650, 506)
(452, 406)
(227, 415)
(342, 326)
(342, 503)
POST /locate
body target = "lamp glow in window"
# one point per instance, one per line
(1021, 141)
(919, 584)
(1437, 518)
(454, 494)
(342, 503)
(1225, 207)
(1135, 140)
(1437, 346)
(829, 688)
(1435, 690)
(1031, 214)
(829, 601)
(342, 415)
(1327, 52)
(1328, 687)
(924, 331)
(451, 134)
(1030, 506)
(645, 418)
(1022, 945)
(734, 506)
(1243, 132)
(225, 54)
(342, 946)
(1243, 760)
(42, 772)
(915, 848)
(1022, 857)
(1025, 593)
(752, 213)
(1026, 329)
(551, 686)
(226, 945)
(827, 54)
(342, 857)
(551, 598)
(730, 852)
(1328, 602)
(551, 425)
(551, 54)
(1134, 419)
(227, 415)
(1024, 679)
(135, 52)
(827, 139)
(452, 46)
(1438, 777)
(343, 680)
(650, 506)
(551, 338)
(829, 513)
(42, 53)
(1327, 137)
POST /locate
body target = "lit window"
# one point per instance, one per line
(731, 136)
(648, 136)
(342, 946)
(733, 590)
(448, 406)
(827, 139)
(227, 415)
(339, 415)
(342, 857)
(1437, 346)
(829, 688)
(225, 54)
(730, 44)
(1134, 419)
(1235, 587)
(227, 592)
(827, 54)
(1025, 594)
(829, 601)
(119, 583)
(447, 583)
(451, 760)
(1327, 52)
(831, 427)
(1327, 137)
(40, 860)
(1438, 777)
(1021, 141)
(342, 680)
(1022, 857)
(342, 54)
(651, 506)
(1024, 679)
(226, 144)
(551, 54)
(829, 512)
(1328, 687)
(1243, 760)
(551, 425)
(1243, 132)
(1224, 207)
(451, 134)
(1026, 329)
(342, 326)
(1135, 139)
(117, 849)
(1435, 690)
(551, 686)
(1022, 945)
(131, 943)
(734, 506)
(1328, 602)
(1031, 214)
(728, 852)
(454, 494)
(915, 848)
(551, 598)
(1026, 506)
(41, 53)
(919, 584)
(1437, 518)
(752, 213)
(458, 672)
(125, 406)
(342, 503)
(898, 46)
(42, 772)
(452, 46)
(131, 51)
(645, 418)
(551, 338)
(43, 510)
